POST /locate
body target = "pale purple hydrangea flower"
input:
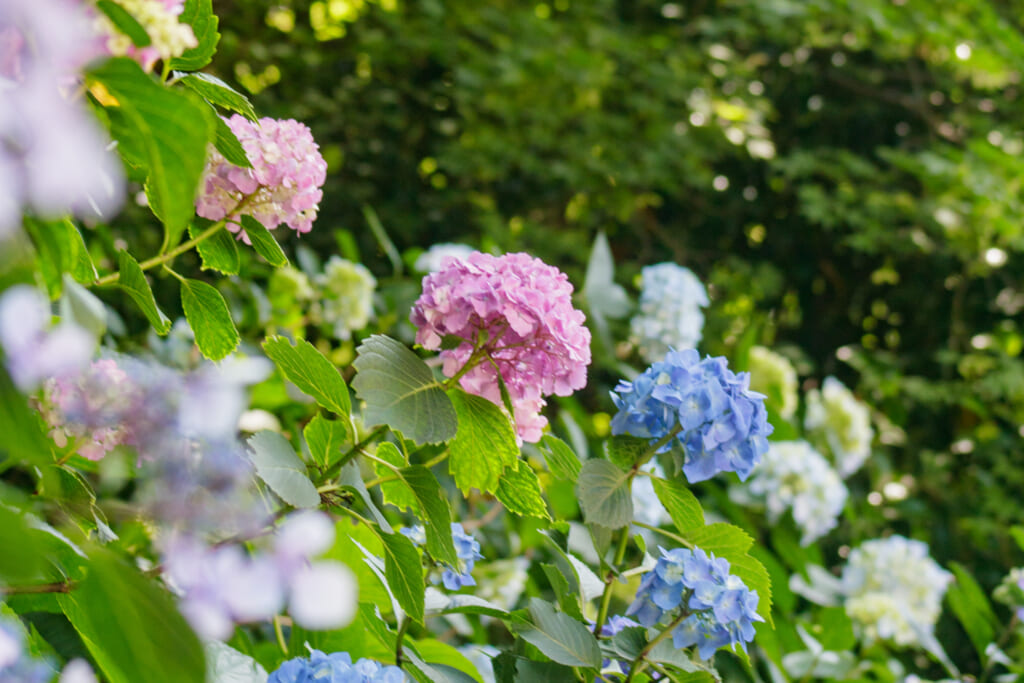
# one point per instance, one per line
(519, 311)
(16, 664)
(285, 179)
(53, 156)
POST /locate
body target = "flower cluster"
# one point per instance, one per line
(515, 311)
(794, 476)
(774, 376)
(335, 668)
(670, 317)
(347, 302)
(283, 185)
(467, 549)
(721, 424)
(434, 258)
(169, 38)
(841, 424)
(76, 408)
(893, 590)
(721, 607)
(53, 156)
(221, 585)
(33, 350)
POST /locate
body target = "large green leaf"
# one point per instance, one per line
(625, 450)
(311, 372)
(216, 91)
(282, 470)
(604, 495)
(559, 636)
(132, 627)
(400, 391)
(519, 491)
(133, 281)
(404, 573)
(199, 15)
(484, 446)
(171, 130)
(437, 515)
(681, 504)
(208, 315)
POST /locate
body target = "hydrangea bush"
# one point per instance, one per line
(233, 453)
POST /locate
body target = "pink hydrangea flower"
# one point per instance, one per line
(519, 311)
(285, 180)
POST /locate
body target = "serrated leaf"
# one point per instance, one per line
(263, 242)
(216, 91)
(170, 129)
(133, 281)
(604, 494)
(282, 470)
(125, 22)
(484, 446)
(208, 315)
(400, 391)
(218, 252)
(394, 492)
(681, 504)
(519, 491)
(404, 574)
(311, 372)
(436, 514)
(325, 439)
(132, 627)
(560, 458)
(625, 450)
(559, 636)
(721, 538)
(199, 15)
(226, 142)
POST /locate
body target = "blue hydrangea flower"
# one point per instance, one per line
(335, 668)
(16, 665)
(612, 626)
(723, 425)
(721, 608)
(467, 549)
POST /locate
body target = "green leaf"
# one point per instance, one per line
(519, 491)
(132, 627)
(325, 439)
(438, 653)
(22, 562)
(218, 252)
(199, 15)
(263, 242)
(226, 142)
(972, 609)
(82, 307)
(604, 494)
(404, 574)
(169, 128)
(395, 492)
(681, 504)
(560, 458)
(225, 664)
(625, 450)
(311, 372)
(400, 391)
(721, 538)
(436, 514)
(559, 636)
(836, 629)
(216, 91)
(133, 281)
(125, 22)
(280, 468)
(61, 250)
(208, 315)
(352, 478)
(484, 445)
(568, 599)
(509, 668)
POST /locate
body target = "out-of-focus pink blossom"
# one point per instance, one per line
(284, 181)
(518, 312)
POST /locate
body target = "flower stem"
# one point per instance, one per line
(640, 663)
(606, 596)
(335, 469)
(280, 634)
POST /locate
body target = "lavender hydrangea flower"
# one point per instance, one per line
(670, 317)
(16, 666)
(284, 183)
(335, 668)
(721, 607)
(77, 407)
(467, 549)
(721, 424)
(518, 312)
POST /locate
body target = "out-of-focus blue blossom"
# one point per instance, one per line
(613, 625)
(670, 317)
(16, 666)
(722, 609)
(467, 549)
(335, 668)
(722, 424)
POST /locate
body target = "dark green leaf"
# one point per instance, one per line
(519, 491)
(559, 636)
(208, 315)
(972, 609)
(484, 446)
(311, 372)
(404, 574)
(125, 22)
(263, 242)
(603, 491)
(218, 252)
(681, 504)
(216, 91)
(133, 281)
(353, 479)
(282, 470)
(199, 15)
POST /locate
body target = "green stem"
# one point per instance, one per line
(640, 663)
(657, 445)
(57, 587)
(606, 596)
(280, 634)
(335, 469)
(402, 628)
(675, 537)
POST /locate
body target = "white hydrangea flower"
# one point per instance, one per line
(794, 476)
(894, 590)
(169, 37)
(670, 314)
(836, 419)
(433, 258)
(774, 376)
(348, 296)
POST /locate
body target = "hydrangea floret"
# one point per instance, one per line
(794, 476)
(516, 322)
(893, 590)
(347, 301)
(168, 36)
(839, 423)
(709, 410)
(283, 185)
(467, 550)
(774, 376)
(335, 668)
(670, 316)
(706, 605)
